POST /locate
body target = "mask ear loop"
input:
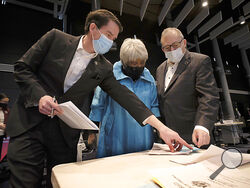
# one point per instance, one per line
(102, 35)
(93, 42)
(98, 31)
(94, 39)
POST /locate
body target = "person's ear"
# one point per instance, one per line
(162, 50)
(92, 27)
(185, 43)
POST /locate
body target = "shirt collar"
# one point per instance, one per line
(172, 64)
(83, 52)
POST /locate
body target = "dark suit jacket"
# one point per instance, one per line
(42, 71)
(191, 97)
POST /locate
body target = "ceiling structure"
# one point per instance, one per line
(219, 19)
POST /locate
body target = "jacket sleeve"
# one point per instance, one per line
(26, 68)
(154, 101)
(98, 105)
(208, 95)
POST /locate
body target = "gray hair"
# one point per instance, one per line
(132, 50)
(171, 29)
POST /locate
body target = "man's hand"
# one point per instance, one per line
(46, 104)
(91, 138)
(2, 126)
(200, 137)
(170, 137)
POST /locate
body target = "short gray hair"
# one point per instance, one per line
(132, 50)
(165, 31)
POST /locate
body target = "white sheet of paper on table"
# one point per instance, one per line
(163, 149)
(212, 151)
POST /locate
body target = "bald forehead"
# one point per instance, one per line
(171, 34)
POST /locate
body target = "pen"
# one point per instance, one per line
(52, 109)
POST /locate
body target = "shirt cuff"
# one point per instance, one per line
(202, 128)
(144, 122)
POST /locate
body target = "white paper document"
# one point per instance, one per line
(198, 169)
(74, 117)
(197, 175)
(211, 152)
(163, 149)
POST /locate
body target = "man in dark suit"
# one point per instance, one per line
(68, 68)
(187, 91)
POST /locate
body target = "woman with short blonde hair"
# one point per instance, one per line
(119, 132)
(132, 50)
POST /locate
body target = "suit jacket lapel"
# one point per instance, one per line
(181, 67)
(161, 77)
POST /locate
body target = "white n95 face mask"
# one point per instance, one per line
(175, 56)
(102, 45)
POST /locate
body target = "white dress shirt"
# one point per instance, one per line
(170, 73)
(78, 65)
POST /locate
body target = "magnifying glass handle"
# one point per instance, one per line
(217, 172)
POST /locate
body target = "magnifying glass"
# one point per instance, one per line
(230, 158)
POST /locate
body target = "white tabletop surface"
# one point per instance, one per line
(129, 170)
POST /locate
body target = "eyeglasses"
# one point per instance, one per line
(174, 45)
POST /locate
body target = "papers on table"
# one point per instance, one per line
(212, 151)
(197, 170)
(74, 117)
(197, 175)
(163, 149)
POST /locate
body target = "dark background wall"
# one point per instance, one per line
(21, 27)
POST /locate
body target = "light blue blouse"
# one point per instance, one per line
(119, 132)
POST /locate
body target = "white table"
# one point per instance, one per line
(128, 171)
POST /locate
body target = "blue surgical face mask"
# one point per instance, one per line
(102, 45)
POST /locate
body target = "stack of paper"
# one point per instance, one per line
(163, 149)
(74, 118)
